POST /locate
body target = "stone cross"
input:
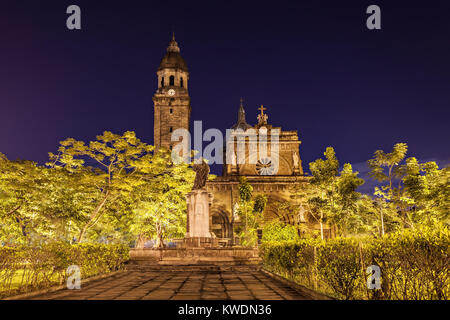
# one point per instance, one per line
(262, 109)
(262, 118)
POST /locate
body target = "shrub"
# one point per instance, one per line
(279, 231)
(414, 264)
(338, 265)
(28, 268)
(281, 256)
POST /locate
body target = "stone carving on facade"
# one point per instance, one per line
(296, 159)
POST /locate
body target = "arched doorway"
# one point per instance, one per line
(221, 227)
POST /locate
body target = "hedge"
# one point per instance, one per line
(24, 269)
(414, 265)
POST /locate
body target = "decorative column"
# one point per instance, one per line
(296, 162)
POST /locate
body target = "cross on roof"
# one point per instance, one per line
(262, 109)
(262, 118)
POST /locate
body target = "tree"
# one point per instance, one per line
(116, 155)
(371, 216)
(382, 162)
(331, 196)
(39, 203)
(17, 181)
(127, 189)
(321, 198)
(386, 167)
(346, 184)
(427, 190)
(160, 204)
(250, 212)
(413, 193)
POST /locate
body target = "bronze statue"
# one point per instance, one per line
(202, 171)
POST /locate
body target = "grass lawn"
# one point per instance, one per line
(19, 282)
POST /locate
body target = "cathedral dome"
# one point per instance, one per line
(173, 58)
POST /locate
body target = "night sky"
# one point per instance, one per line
(313, 64)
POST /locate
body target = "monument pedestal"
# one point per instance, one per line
(200, 246)
(201, 242)
(198, 232)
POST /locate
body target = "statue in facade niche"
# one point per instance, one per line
(201, 175)
(296, 159)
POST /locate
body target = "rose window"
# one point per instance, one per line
(265, 167)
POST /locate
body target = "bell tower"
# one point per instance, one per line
(172, 104)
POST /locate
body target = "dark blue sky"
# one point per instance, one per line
(314, 64)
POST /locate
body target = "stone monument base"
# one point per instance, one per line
(196, 256)
(198, 217)
(200, 242)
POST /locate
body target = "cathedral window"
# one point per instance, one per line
(265, 167)
(162, 81)
(170, 129)
(181, 82)
(171, 81)
(171, 110)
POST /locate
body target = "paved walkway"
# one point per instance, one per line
(184, 285)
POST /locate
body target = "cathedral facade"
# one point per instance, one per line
(273, 172)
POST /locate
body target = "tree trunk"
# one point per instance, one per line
(93, 216)
(321, 229)
(321, 225)
(159, 236)
(159, 241)
(14, 210)
(80, 237)
(140, 242)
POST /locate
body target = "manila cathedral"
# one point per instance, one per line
(172, 110)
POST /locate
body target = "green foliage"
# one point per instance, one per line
(427, 192)
(281, 256)
(250, 213)
(324, 171)
(129, 192)
(118, 157)
(279, 231)
(414, 264)
(260, 203)
(46, 265)
(338, 265)
(159, 203)
(331, 196)
(41, 203)
(245, 190)
(384, 166)
(292, 259)
(413, 193)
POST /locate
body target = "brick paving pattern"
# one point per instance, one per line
(181, 285)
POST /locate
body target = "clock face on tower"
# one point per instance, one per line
(171, 92)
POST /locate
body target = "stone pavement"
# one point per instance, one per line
(184, 284)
